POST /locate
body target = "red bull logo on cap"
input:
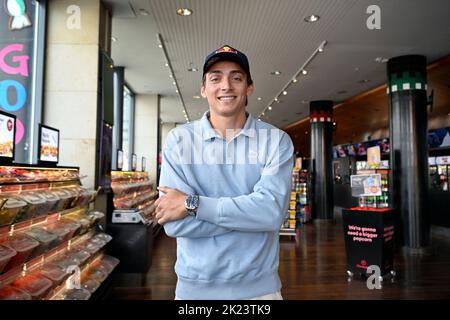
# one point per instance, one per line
(226, 49)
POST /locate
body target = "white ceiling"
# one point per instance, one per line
(274, 37)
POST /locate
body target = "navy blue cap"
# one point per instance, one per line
(227, 53)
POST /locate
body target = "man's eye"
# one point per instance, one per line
(237, 78)
(214, 79)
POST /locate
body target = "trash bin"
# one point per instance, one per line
(369, 239)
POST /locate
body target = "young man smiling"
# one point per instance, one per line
(226, 208)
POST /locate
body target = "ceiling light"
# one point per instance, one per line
(364, 81)
(276, 99)
(176, 91)
(160, 46)
(259, 119)
(294, 80)
(321, 49)
(166, 64)
(196, 97)
(114, 39)
(285, 92)
(143, 12)
(304, 72)
(275, 73)
(381, 60)
(174, 83)
(312, 18)
(184, 12)
(259, 98)
(170, 76)
(192, 69)
(270, 108)
(263, 114)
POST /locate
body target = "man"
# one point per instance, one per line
(225, 185)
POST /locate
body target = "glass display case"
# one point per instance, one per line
(47, 230)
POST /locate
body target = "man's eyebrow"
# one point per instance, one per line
(232, 71)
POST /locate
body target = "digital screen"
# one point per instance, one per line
(134, 162)
(143, 163)
(119, 159)
(49, 144)
(7, 132)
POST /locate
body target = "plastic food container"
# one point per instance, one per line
(74, 294)
(71, 225)
(35, 285)
(61, 230)
(10, 211)
(98, 274)
(65, 199)
(95, 216)
(53, 273)
(73, 192)
(46, 240)
(37, 205)
(90, 285)
(52, 200)
(79, 254)
(85, 197)
(12, 293)
(92, 248)
(65, 262)
(6, 253)
(103, 237)
(110, 262)
(23, 245)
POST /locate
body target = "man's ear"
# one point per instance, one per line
(202, 91)
(250, 90)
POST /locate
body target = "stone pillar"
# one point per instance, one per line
(321, 119)
(147, 111)
(407, 84)
(71, 81)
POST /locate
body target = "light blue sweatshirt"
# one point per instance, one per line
(230, 250)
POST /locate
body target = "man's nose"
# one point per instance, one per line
(226, 84)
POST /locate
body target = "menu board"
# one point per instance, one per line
(373, 156)
(133, 162)
(7, 135)
(119, 159)
(49, 144)
(364, 185)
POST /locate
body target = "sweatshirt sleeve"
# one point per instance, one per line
(265, 208)
(172, 176)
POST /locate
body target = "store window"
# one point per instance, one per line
(22, 29)
(128, 127)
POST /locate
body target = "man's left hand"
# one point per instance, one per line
(171, 206)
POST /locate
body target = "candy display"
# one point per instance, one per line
(23, 247)
(10, 210)
(12, 293)
(35, 285)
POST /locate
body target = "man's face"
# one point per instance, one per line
(226, 88)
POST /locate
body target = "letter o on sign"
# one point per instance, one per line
(21, 95)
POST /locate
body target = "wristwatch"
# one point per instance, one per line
(191, 204)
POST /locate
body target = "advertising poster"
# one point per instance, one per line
(6, 136)
(365, 185)
(373, 156)
(49, 145)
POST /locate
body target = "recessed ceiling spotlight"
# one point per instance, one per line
(184, 12)
(176, 90)
(192, 69)
(294, 80)
(276, 99)
(114, 39)
(259, 119)
(304, 72)
(284, 92)
(196, 97)
(275, 73)
(143, 12)
(321, 49)
(270, 108)
(170, 76)
(312, 18)
(259, 98)
(160, 46)
(381, 60)
(166, 64)
(364, 81)
(174, 83)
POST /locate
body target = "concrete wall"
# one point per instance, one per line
(165, 128)
(71, 81)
